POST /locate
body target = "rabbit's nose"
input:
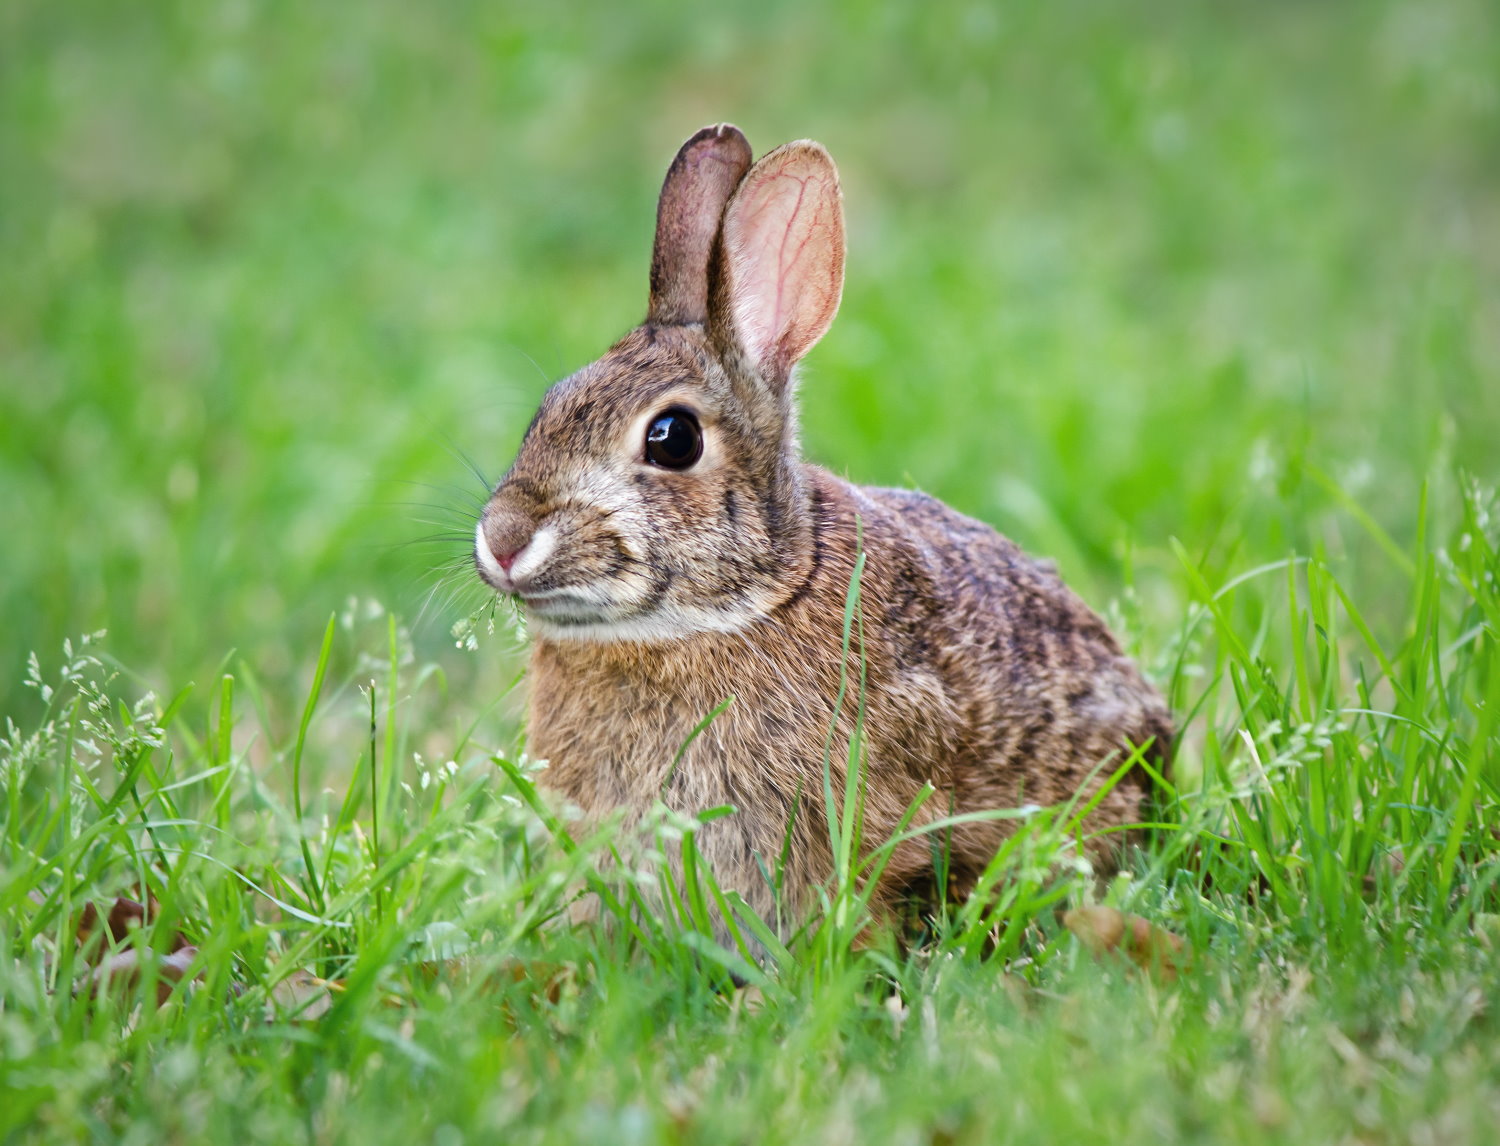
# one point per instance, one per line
(506, 560)
(503, 535)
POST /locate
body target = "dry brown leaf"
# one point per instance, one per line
(124, 969)
(749, 999)
(1104, 930)
(547, 979)
(304, 997)
(125, 915)
(121, 971)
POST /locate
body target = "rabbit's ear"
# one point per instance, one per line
(781, 260)
(705, 173)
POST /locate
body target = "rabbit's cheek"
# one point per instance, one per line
(591, 559)
(601, 489)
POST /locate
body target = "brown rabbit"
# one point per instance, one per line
(671, 549)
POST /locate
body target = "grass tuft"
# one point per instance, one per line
(1326, 851)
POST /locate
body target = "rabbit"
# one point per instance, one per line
(670, 549)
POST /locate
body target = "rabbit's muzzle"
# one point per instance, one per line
(569, 566)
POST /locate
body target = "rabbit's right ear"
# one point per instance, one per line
(705, 173)
(780, 269)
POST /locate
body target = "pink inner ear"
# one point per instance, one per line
(784, 240)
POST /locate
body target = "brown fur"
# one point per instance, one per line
(664, 592)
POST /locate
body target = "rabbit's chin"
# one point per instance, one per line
(663, 624)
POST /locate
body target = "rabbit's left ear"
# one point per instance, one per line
(781, 258)
(705, 173)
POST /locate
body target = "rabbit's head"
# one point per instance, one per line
(657, 492)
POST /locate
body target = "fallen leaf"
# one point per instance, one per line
(748, 999)
(123, 970)
(547, 979)
(303, 997)
(1104, 930)
(125, 916)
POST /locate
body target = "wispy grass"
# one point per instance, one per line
(1198, 301)
(1328, 849)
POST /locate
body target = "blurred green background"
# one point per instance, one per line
(1118, 273)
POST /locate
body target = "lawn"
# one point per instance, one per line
(1202, 302)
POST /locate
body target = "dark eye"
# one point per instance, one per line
(674, 441)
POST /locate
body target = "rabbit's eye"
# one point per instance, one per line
(674, 441)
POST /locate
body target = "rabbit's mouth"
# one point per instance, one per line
(569, 606)
(559, 601)
(591, 613)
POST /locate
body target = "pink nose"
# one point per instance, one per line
(506, 533)
(506, 560)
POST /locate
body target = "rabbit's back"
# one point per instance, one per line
(1045, 691)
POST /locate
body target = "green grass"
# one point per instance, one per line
(1203, 303)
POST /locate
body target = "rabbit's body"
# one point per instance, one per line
(711, 562)
(984, 675)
